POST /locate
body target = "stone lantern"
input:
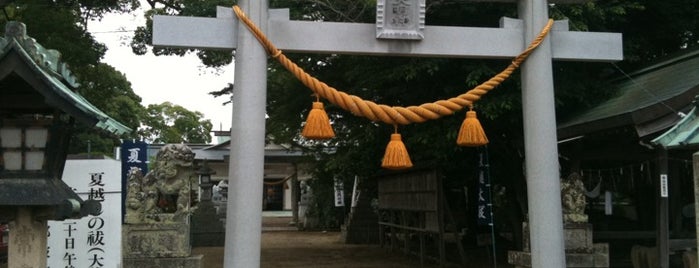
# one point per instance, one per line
(205, 182)
(38, 110)
(207, 229)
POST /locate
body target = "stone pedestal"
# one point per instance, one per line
(362, 225)
(188, 262)
(155, 245)
(207, 228)
(27, 245)
(579, 249)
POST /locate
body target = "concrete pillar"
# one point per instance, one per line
(540, 144)
(663, 234)
(695, 166)
(244, 220)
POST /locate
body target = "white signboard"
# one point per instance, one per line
(400, 19)
(663, 185)
(339, 193)
(93, 241)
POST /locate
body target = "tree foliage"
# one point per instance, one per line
(56, 25)
(170, 123)
(410, 81)
(651, 29)
(62, 25)
(143, 36)
(110, 91)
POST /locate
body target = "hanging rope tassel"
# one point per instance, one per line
(381, 112)
(318, 124)
(396, 156)
(471, 133)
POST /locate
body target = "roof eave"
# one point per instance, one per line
(68, 100)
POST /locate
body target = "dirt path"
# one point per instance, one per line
(284, 249)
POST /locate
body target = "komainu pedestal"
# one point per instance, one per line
(157, 245)
(159, 240)
(156, 229)
(579, 249)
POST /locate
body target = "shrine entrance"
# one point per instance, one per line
(273, 195)
(247, 159)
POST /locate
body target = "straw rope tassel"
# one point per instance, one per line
(471, 133)
(390, 114)
(317, 123)
(400, 115)
(396, 156)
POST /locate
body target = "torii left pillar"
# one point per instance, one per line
(247, 145)
(243, 228)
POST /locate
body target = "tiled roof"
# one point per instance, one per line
(684, 133)
(55, 74)
(649, 99)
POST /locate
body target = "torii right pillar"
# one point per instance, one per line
(545, 223)
(540, 140)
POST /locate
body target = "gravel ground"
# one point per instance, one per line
(284, 247)
(292, 249)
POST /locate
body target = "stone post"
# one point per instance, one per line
(695, 161)
(295, 196)
(27, 247)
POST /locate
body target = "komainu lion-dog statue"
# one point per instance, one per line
(164, 193)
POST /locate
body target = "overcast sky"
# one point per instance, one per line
(179, 80)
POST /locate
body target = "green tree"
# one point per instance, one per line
(62, 25)
(170, 123)
(140, 44)
(109, 90)
(651, 29)
(409, 81)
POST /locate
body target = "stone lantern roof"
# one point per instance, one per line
(34, 84)
(58, 81)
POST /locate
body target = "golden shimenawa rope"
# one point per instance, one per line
(384, 113)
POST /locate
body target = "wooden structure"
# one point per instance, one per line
(616, 145)
(412, 206)
(39, 108)
(682, 136)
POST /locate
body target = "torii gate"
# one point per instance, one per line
(243, 228)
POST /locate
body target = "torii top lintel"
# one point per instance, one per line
(360, 38)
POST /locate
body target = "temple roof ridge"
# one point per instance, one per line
(47, 59)
(46, 67)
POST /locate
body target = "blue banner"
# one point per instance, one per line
(134, 154)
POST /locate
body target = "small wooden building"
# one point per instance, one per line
(639, 193)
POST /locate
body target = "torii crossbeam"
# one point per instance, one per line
(243, 227)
